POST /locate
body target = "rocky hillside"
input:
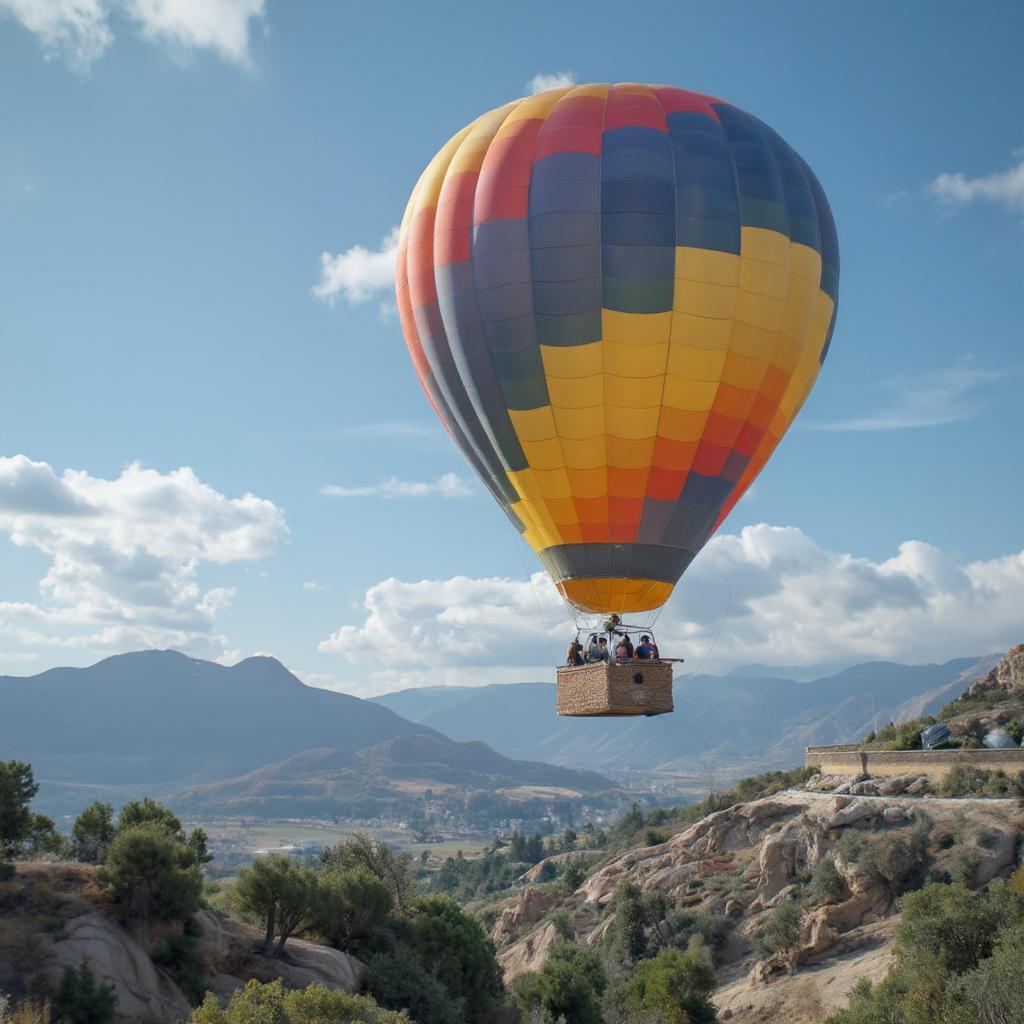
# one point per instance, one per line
(795, 893)
(730, 872)
(1008, 676)
(54, 916)
(994, 700)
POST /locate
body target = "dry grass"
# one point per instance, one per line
(35, 903)
(28, 1011)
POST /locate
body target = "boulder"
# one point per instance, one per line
(531, 906)
(307, 962)
(857, 810)
(529, 954)
(145, 994)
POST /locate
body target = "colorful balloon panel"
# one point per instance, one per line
(617, 298)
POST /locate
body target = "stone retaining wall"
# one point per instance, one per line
(848, 759)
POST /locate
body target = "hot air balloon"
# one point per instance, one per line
(617, 298)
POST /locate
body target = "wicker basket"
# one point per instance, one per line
(615, 688)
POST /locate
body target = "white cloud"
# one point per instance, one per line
(218, 25)
(930, 400)
(448, 485)
(313, 585)
(75, 28)
(769, 595)
(125, 554)
(358, 273)
(80, 30)
(1005, 188)
(558, 80)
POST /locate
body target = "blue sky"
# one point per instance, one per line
(167, 187)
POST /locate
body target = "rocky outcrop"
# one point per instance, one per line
(529, 954)
(230, 948)
(1007, 675)
(555, 860)
(230, 953)
(531, 906)
(144, 993)
(706, 848)
(910, 784)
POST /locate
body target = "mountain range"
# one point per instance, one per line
(730, 724)
(253, 739)
(158, 722)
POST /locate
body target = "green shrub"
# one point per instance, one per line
(399, 980)
(453, 948)
(1015, 727)
(946, 926)
(574, 874)
(152, 874)
(991, 992)
(92, 833)
(270, 1004)
(562, 921)
(80, 1000)
(181, 957)
(827, 885)
(568, 986)
(897, 862)
(781, 933)
(350, 908)
(967, 780)
(712, 929)
(960, 960)
(962, 865)
(671, 988)
(547, 871)
(625, 941)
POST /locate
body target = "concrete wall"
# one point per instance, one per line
(847, 759)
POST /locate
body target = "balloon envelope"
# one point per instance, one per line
(617, 297)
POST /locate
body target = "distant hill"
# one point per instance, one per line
(371, 781)
(735, 722)
(158, 722)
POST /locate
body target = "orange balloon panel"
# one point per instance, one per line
(617, 297)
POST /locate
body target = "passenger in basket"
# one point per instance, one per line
(593, 649)
(646, 650)
(604, 649)
(574, 656)
(622, 651)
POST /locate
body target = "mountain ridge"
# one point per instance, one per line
(750, 723)
(160, 722)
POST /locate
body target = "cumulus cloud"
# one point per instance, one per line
(125, 553)
(558, 80)
(1005, 188)
(448, 485)
(768, 594)
(943, 396)
(80, 30)
(358, 273)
